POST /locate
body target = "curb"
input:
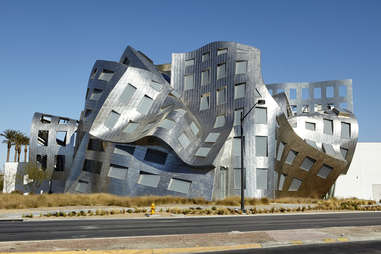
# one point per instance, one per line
(206, 249)
(176, 216)
(10, 220)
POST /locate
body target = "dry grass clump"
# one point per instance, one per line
(17, 201)
(295, 200)
(236, 201)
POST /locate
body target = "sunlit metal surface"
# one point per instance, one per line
(172, 129)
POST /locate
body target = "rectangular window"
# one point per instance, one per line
(61, 138)
(307, 164)
(212, 137)
(293, 93)
(281, 181)
(194, 128)
(221, 71)
(118, 172)
(42, 161)
(63, 121)
(222, 51)
(188, 82)
(82, 186)
(329, 92)
(205, 101)
(220, 121)
(92, 166)
(205, 77)
(112, 119)
(184, 140)
(344, 152)
(145, 105)
(92, 76)
(317, 93)
(155, 156)
(43, 138)
(236, 147)
(310, 126)
(239, 90)
(305, 93)
(205, 56)
(96, 94)
(127, 94)
(306, 109)
(221, 95)
(148, 179)
(261, 178)
(189, 62)
(345, 130)
(291, 157)
(261, 146)
(167, 124)
(106, 75)
(179, 185)
(124, 149)
(260, 115)
(46, 119)
(131, 127)
(59, 163)
(342, 91)
(328, 126)
(240, 67)
(156, 85)
(203, 151)
(280, 151)
(237, 117)
(295, 184)
(325, 171)
(328, 149)
(95, 145)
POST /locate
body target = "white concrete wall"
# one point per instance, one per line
(363, 175)
(14, 176)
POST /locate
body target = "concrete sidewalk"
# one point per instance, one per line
(193, 243)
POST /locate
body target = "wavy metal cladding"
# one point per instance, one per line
(145, 133)
(313, 150)
(52, 143)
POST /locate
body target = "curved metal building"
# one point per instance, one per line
(174, 129)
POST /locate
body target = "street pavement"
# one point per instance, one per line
(72, 229)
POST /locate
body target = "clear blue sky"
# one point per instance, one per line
(47, 48)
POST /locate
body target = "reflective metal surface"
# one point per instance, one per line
(174, 129)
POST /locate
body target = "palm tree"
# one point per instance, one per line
(25, 143)
(10, 138)
(18, 143)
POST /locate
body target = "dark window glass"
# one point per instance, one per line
(128, 149)
(155, 156)
(92, 166)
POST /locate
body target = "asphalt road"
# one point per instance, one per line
(68, 229)
(366, 247)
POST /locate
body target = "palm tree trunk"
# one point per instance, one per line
(25, 152)
(18, 154)
(9, 150)
(15, 153)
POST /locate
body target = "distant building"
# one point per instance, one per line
(174, 129)
(363, 179)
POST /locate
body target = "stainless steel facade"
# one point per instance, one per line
(174, 129)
